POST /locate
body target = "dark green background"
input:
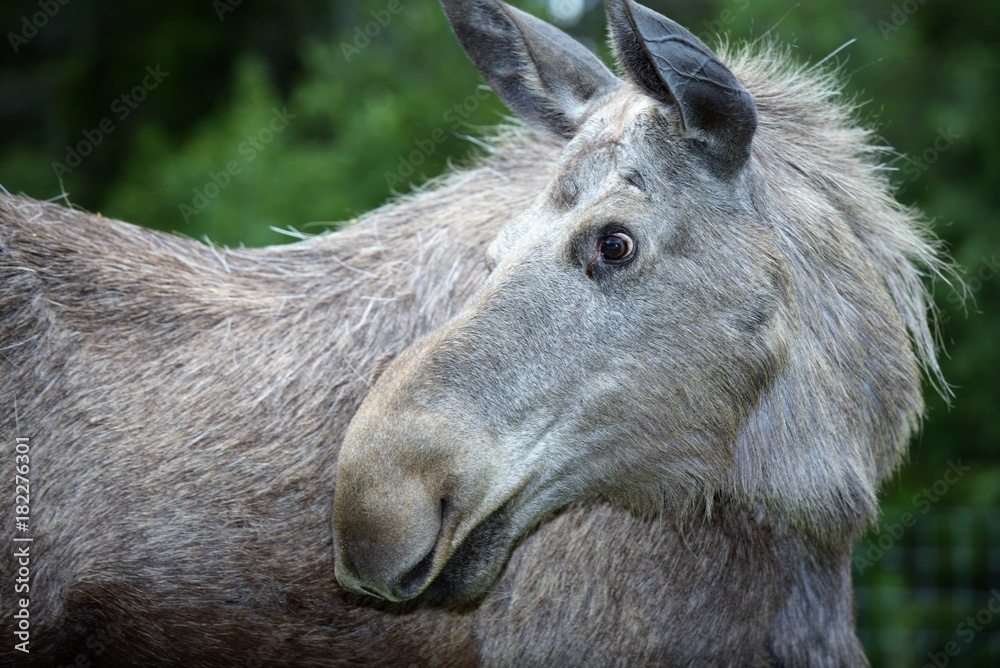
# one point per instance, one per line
(924, 73)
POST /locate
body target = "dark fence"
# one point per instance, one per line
(927, 587)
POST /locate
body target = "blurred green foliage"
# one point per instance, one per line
(352, 112)
(362, 86)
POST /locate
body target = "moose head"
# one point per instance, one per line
(665, 327)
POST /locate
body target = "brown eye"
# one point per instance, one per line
(617, 248)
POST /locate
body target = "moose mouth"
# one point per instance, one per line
(474, 565)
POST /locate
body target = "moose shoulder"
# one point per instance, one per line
(622, 393)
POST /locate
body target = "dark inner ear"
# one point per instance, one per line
(676, 68)
(544, 75)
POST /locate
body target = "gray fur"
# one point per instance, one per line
(186, 406)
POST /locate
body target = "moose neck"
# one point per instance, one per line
(720, 587)
(815, 622)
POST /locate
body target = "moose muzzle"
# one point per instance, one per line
(408, 491)
(387, 530)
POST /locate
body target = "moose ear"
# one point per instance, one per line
(676, 68)
(544, 75)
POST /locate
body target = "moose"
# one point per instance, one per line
(622, 392)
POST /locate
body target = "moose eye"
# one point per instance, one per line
(617, 248)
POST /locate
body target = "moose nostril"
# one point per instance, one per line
(413, 580)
